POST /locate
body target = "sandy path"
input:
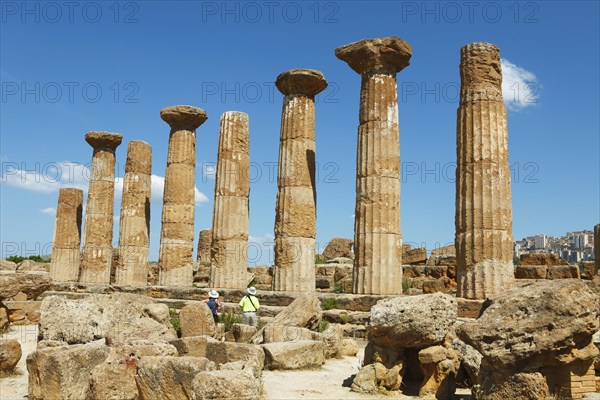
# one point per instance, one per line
(15, 386)
(332, 381)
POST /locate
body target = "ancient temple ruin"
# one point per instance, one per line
(229, 245)
(484, 240)
(175, 260)
(296, 210)
(377, 234)
(96, 255)
(134, 225)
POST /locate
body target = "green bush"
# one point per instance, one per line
(228, 319)
(406, 283)
(175, 321)
(18, 259)
(323, 325)
(345, 318)
(329, 304)
(338, 288)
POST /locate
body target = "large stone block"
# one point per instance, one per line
(196, 320)
(225, 385)
(531, 272)
(64, 372)
(10, 354)
(114, 379)
(302, 354)
(547, 323)
(169, 378)
(412, 321)
(118, 317)
(547, 259)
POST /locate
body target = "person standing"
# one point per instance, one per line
(214, 304)
(250, 306)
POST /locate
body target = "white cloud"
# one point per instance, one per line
(46, 178)
(52, 177)
(520, 88)
(48, 211)
(157, 188)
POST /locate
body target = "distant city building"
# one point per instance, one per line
(573, 247)
(539, 242)
(580, 241)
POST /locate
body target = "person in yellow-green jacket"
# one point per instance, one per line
(250, 306)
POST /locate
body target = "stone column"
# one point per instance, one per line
(597, 248)
(377, 234)
(96, 257)
(176, 261)
(484, 240)
(64, 266)
(204, 241)
(229, 247)
(134, 225)
(295, 218)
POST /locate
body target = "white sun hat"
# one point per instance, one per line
(251, 290)
(213, 294)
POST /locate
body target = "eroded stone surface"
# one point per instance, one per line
(63, 372)
(377, 234)
(229, 246)
(484, 240)
(96, 255)
(412, 321)
(295, 220)
(541, 324)
(203, 251)
(67, 236)
(389, 55)
(177, 232)
(134, 225)
(597, 247)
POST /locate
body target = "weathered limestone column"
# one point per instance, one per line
(229, 247)
(484, 240)
(597, 248)
(96, 257)
(64, 266)
(177, 234)
(204, 241)
(134, 225)
(377, 233)
(296, 212)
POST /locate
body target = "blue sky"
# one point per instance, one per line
(71, 68)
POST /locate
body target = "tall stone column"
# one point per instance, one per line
(229, 247)
(484, 240)
(64, 266)
(177, 234)
(96, 257)
(377, 233)
(597, 248)
(296, 212)
(134, 225)
(204, 242)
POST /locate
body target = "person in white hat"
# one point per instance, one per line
(250, 306)
(214, 304)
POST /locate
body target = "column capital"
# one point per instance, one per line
(480, 64)
(183, 117)
(104, 140)
(387, 55)
(307, 82)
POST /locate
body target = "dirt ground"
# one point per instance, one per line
(14, 386)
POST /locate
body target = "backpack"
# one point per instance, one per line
(212, 304)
